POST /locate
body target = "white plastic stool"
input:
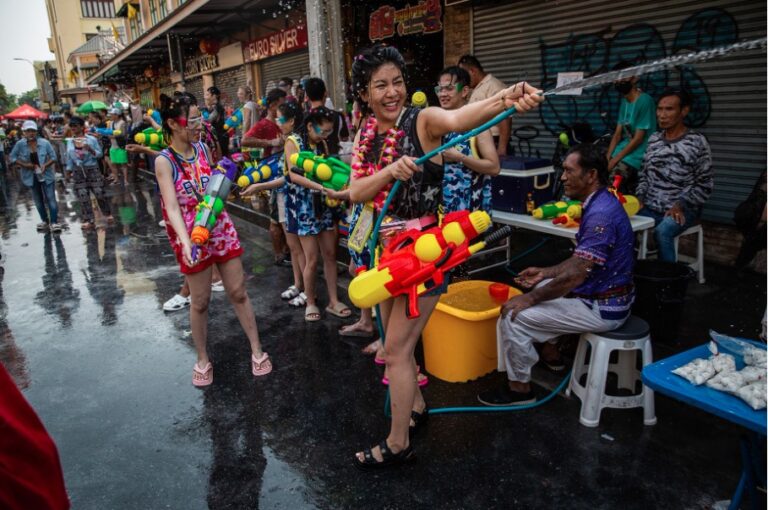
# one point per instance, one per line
(633, 336)
(696, 263)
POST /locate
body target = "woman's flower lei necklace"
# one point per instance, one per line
(364, 168)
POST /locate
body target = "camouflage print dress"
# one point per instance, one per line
(464, 189)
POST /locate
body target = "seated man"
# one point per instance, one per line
(676, 179)
(589, 292)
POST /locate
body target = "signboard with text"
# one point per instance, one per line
(422, 18)
(277, 43)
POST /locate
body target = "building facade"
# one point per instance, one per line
(73, 23)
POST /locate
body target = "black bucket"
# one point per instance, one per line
(660, 293)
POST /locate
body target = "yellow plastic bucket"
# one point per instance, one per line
(460, 337)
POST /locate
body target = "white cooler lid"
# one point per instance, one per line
(532, 172)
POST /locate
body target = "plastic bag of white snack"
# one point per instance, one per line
(697, 371)
(750, 353)
(753, 374)
(729, 382)
(721, 361)
(755, 357)
(753, 394)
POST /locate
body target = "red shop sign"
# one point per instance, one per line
(422, 18)
(284, 41)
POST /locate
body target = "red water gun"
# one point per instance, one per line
(630, 203)
(415, 262)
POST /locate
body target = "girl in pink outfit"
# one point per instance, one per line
(183, 171)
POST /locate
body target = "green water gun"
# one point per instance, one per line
(553, 210)
(152, 138)
(332, 173)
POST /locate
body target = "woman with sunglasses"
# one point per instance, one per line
(183, 171)
(309, 215)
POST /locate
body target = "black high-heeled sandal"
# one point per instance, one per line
(419, 420)
(388, 458)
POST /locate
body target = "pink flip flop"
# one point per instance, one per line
(261, 366)
(421, 382)
(206, 372)
(380, 361)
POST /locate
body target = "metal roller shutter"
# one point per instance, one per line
(168, 89)
(228, 82)
(195, 87)
(294, 66)
(593, 35)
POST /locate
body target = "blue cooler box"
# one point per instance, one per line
(520, 176)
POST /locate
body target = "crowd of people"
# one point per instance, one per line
(665, 164)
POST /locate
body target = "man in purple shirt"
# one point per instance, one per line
(589, 292)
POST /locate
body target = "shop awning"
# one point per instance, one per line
(192, 20)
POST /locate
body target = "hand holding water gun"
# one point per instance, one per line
(264, 171)
(233, 122)
(152, 138)
(331, 173)
(209, 209)
(414, 261)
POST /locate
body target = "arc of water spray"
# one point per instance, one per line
(659, 65)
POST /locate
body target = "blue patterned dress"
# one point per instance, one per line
(464, 189)
(306, 213)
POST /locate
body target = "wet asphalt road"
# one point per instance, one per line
(83, 333)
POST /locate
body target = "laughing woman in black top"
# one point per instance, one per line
(379, 84)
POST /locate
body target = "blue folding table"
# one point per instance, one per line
(659, 377)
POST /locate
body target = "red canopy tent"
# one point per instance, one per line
(26, 112)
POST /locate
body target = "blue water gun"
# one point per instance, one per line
(106, 131)
(233, 122)
(264, 171)
(155, 116)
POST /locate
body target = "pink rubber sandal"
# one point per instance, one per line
(261, 366)
(380, 361)
(421, 382)
(206, 373)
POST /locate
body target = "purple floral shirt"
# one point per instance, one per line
(605, 237)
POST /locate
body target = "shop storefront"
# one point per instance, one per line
(514, 42)
(281, 54)
(228, 81)
(415, 29)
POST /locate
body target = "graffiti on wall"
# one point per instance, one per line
(597, 53)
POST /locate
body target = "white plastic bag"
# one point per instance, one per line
(753, 394)
(697, 371)
(729, 382)
(721, 361)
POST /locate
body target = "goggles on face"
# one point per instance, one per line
(448, 88)
(322, 132)
(191, 122)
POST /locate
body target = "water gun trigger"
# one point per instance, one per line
(412, 303)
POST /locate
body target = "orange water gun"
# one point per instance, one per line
(415, 262)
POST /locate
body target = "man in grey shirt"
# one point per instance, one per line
(676, 179)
